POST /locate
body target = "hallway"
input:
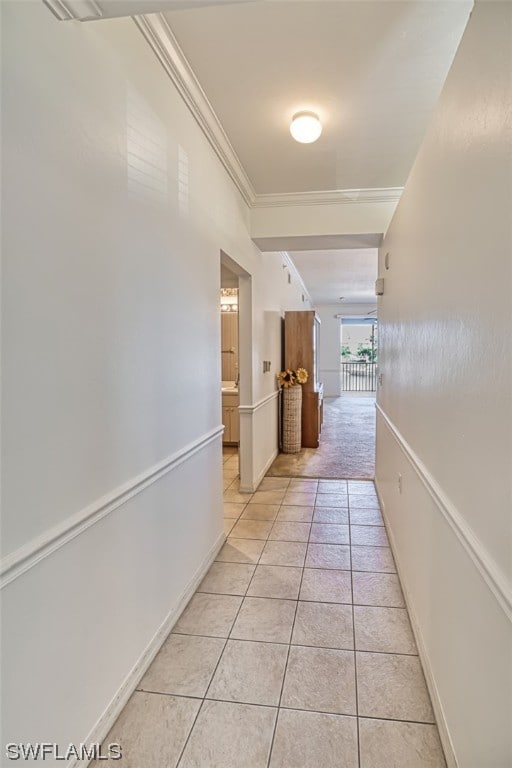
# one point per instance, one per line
(347, 443)
(296, 650)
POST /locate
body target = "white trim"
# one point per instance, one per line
(291, 266)
(164, 45)
(31, 553)
(79, 10)
(259, 404)
(494, 577)
(442, 725)
(159, 35)
(329, 197)
(129, 685)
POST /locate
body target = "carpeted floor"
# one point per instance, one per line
(347, 443)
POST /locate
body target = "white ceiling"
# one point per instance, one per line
(371, 69)
(328, 275)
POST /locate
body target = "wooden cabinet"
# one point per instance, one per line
(230, 419)
(301, 347)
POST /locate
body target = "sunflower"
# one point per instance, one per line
(302, 375)
(286, 378)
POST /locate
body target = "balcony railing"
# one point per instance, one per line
(359, 377)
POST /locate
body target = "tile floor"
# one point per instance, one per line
(296, 650)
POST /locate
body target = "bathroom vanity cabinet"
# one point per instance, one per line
(230, 419)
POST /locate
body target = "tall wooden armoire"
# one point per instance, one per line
(301, 347)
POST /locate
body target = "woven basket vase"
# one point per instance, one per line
(292, 411)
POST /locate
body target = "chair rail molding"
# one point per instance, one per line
(31, 553)
(492, 574)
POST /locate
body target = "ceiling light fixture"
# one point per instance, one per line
(305, 127)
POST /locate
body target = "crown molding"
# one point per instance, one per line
(329, 197)
(162, 41)
(78, 10)
(159, 35)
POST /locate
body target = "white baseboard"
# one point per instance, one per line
(129, 685)
(444, 733)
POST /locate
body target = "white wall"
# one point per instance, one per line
(445, 420)
(111, 442)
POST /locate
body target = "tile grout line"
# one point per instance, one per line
(297, 645)
(288, 654)
(291, 709)
(354, 638)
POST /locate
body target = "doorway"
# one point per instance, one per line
(358, 359)
(236, 371)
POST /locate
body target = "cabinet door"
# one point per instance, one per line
(226, 420)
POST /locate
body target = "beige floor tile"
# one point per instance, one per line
(324, 625)
(366, 517)
(328, 556)
(332, 486)
(184, 665)
(152, 730)
(392, 687)
(314, 740)
(327, 586)
(234, 484)
(260, 512)
(233, 509)
(274, 484)
(284, 553)
(275, 581)
(229, 736)
(334, 515)
(265, 619)
(401, 745)
(228, 524)
(243, 498)
(383, 629)
(251, 529)
(227, 578)
(269, 497)
(381, 589)
(290, 531)
(211, 615)
(327, 533)
(377, 559)
(303, 486)
(364, 502)
(320, 679)
(331, 500)
(299, 498)
(368, 536)
(295, 514)
(241, 551)
(229, 472)
(226, 482)
(361, 487)
(250, 673)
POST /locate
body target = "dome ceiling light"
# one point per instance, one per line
(305, 127)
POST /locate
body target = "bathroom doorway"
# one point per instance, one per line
(235, 353)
